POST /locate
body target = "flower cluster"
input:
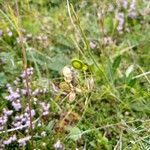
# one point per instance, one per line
(23, 119)
(17, 115)
(125, 9)
(10, 140)
(120, 18)
(132, 9)
(4, 117)
(22, 141)
(58, 145)
(45, 108)
(28, 72)
(122, 3)
(27, 36)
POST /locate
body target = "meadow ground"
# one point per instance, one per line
(74, 74)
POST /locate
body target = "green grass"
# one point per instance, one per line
(106, 105)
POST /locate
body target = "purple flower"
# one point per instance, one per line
(16, 105)
(22, 141)
(3, 120)
(58, 145)
(17, 121)
(17, 124)
(29, 72)
(92, 45)
(122, 3)
(125, 3)
(7, 142)
(7, 112)
(12, 94)
(120, 18)
(132, 9)
(10, 140)
(13, 138)
(23, 119)
(45, 108)
(28, 111)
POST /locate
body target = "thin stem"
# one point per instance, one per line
(86, 43)
(141, 75)
(25, 64)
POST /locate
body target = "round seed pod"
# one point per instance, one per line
(77, 64)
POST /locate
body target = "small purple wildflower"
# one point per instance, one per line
(45, 108)
(29, 72)
(7, 112)
(132, 9)
(22, 141)
(58, 145)
(28, 111)
(3, 121)
(16, 105)
(92, 45)
(125, 4)
(7, 142)
(12, 96)
(10, 140)
(120, 18)
(122, 3)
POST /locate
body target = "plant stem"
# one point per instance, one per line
(25, 64)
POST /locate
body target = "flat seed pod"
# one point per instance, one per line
(72, 96)
(64, 86)
(77, 64)
(89, 83)
(67, 71)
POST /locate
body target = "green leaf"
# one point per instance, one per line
(49, 127)
(116, 63)
(75, 133)
(55, 63)
(132, 82)
(58, 62)
(3, 79)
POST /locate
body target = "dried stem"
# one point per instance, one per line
(27, 83)
(24, 60)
